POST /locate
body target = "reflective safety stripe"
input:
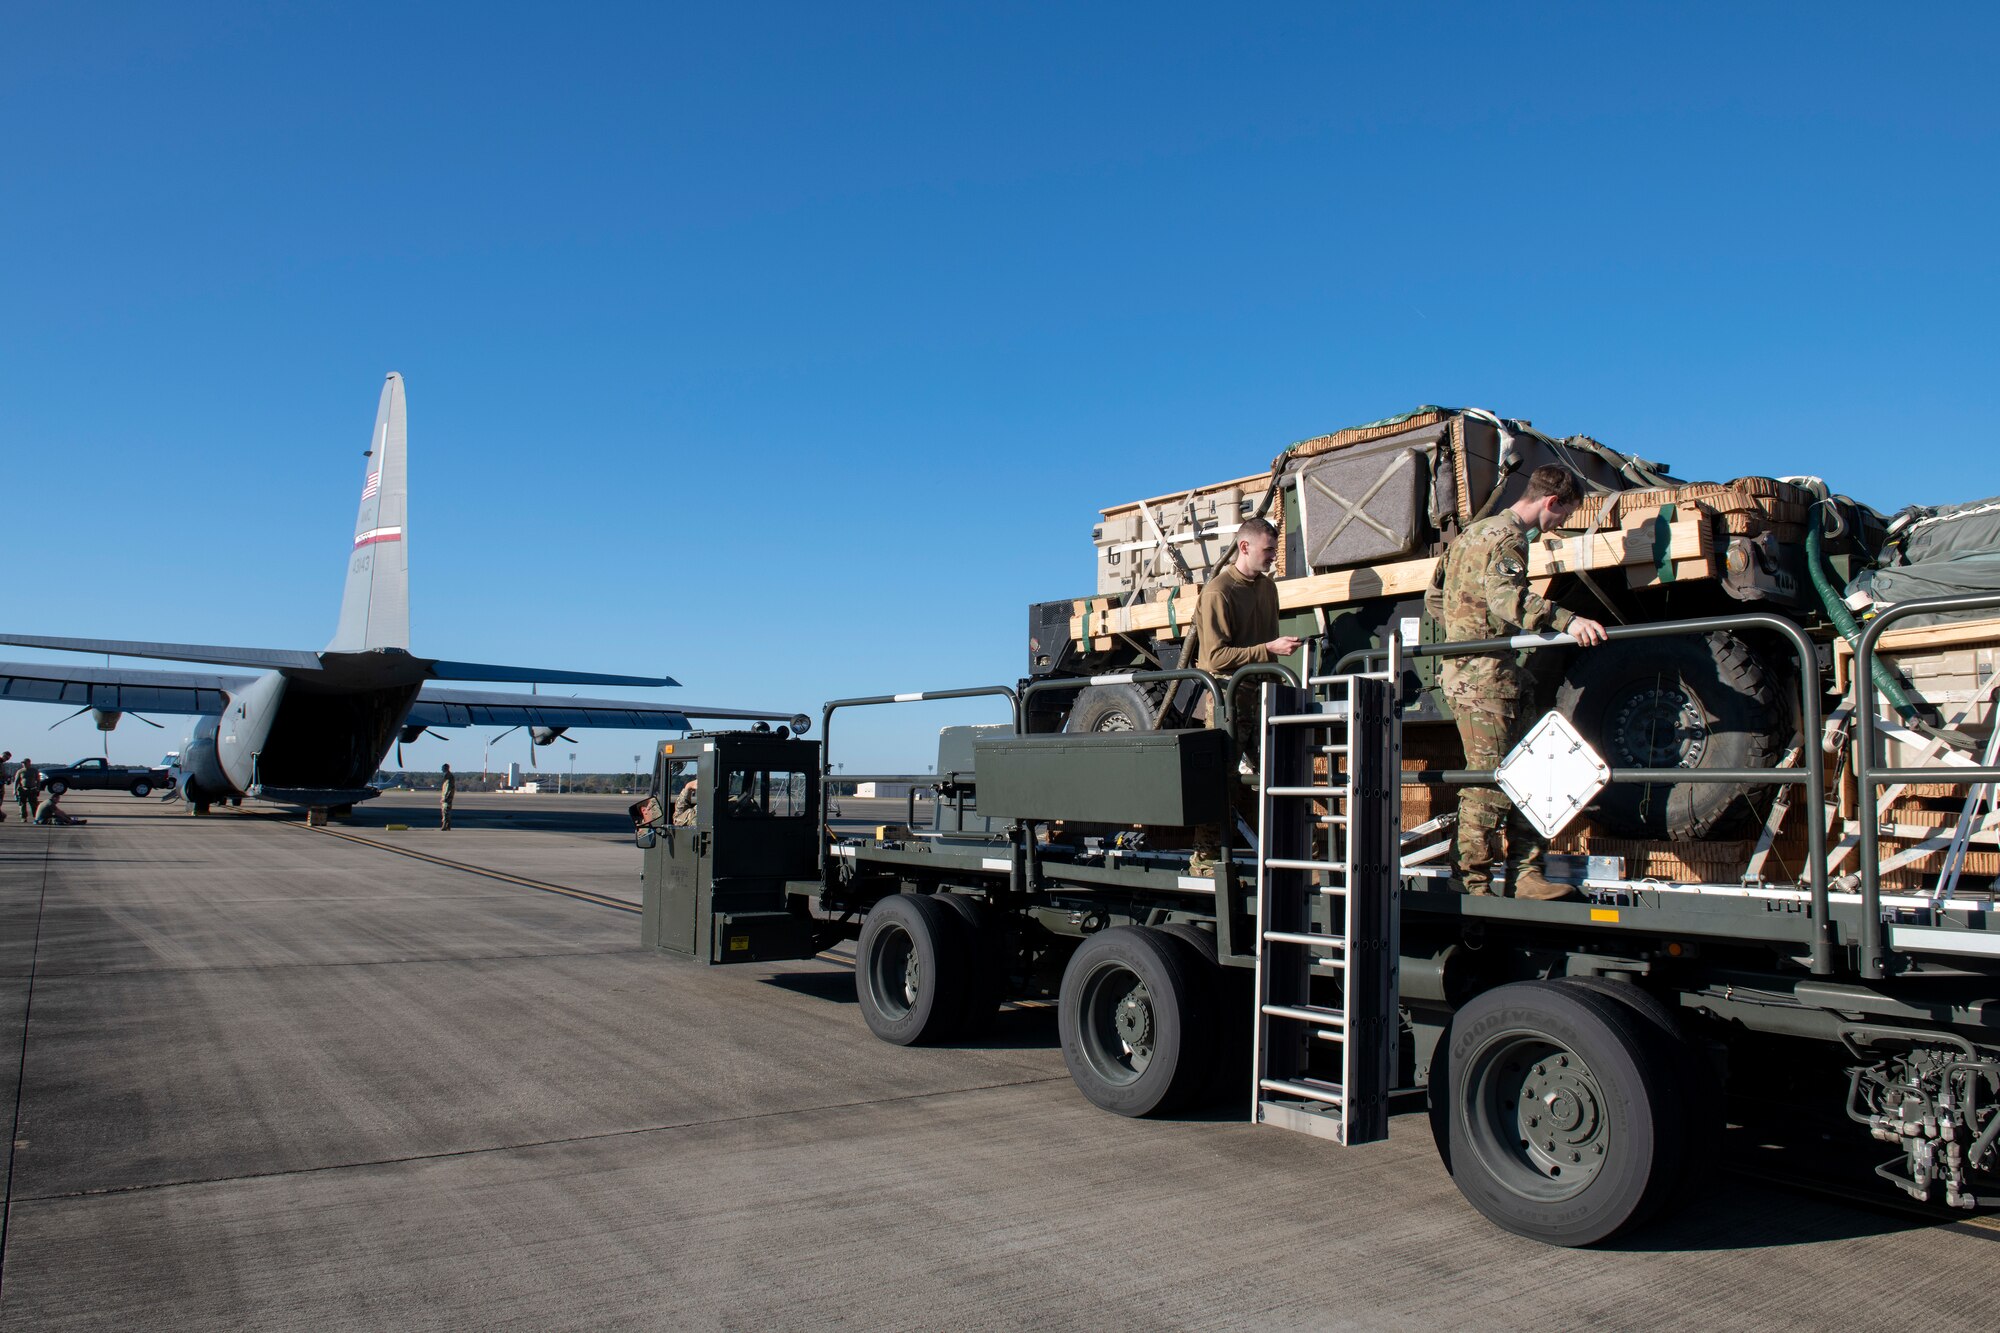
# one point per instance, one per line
(995, 863)
(909, 698)
(1125, 679)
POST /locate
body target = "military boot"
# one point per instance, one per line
(1475, 880)
(1528, 881)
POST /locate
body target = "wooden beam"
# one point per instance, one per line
(1686, 546)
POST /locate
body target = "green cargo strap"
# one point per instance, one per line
(1663, 544)
(1086, 620)
(1173, 617)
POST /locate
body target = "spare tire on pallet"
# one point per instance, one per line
(1111, 708)
(1676, 702)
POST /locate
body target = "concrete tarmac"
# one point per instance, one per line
(269, 1078)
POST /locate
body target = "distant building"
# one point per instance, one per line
(897, 790)
(513, 775)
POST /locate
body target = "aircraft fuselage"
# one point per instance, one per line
(299, 738)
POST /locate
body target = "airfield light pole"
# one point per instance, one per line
(572, 770)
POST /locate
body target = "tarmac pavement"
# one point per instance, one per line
(276, 1078)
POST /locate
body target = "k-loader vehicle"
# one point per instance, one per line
(1578, 1058)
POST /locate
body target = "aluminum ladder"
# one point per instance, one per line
(1329, 878)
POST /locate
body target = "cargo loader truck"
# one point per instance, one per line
(1577, 1059)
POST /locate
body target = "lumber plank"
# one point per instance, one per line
(1547, 557)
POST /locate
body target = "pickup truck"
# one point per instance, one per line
(98, 774)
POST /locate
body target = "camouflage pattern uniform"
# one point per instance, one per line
(447, 794)
(27, 788)
(1485, 595)
(684, 808)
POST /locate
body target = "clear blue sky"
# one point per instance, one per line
(790, 349)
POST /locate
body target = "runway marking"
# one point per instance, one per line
(581, 895)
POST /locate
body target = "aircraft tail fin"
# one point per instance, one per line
(375, 610)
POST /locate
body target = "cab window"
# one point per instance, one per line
(765, 794)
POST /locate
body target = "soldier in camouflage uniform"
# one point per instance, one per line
(1483, 593)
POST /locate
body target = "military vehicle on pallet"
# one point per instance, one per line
(1578, 1059)
(1365, 514)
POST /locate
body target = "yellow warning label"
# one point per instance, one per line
(1603, 914)
(739, 943)
(666, 747)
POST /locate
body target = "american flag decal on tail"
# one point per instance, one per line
(374, 484)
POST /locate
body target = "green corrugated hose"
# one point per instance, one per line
(1843, 619)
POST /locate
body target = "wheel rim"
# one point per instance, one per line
(895, 972)
(1537, 1118)
(1658, 725)
(1117, 721)
(1116, 1023)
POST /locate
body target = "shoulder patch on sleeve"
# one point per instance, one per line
(1508, 563)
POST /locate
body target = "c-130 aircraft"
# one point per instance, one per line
(312, 728)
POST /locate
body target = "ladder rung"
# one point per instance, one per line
(1334, 749)
(1296, 937)
(1332, 719)
(1282, 863)
(1306, 791)
(1330, 890)
(1329, 1093)
(1307, 1013)
(1333, 819)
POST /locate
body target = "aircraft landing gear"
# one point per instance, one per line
(316, 816)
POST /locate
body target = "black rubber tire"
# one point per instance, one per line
(1150, 982)
(56, 788)
(986, 950)
(142, 789)
(912, 966)
(1230, 991)
(1702, 1108)
(1656, 703)
(1111, 708)
(1591, 1057)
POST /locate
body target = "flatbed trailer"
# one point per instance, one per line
(1576, 1056)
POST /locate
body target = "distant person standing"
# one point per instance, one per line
(447, 793)
(27, 787)
(5, 755)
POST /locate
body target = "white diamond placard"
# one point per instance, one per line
(1552, 774)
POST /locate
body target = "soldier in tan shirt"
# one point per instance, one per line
(1236, 621)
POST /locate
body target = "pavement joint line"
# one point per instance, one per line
(352, 962)
(111, 1191)
(582, 895)
(21, 1075)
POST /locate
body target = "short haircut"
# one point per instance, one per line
(1256, 527)
(1554, 479)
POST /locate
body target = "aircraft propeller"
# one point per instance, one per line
(413, 734)
(107, 718)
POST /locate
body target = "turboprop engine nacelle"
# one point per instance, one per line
(547, 735)
(105, 718)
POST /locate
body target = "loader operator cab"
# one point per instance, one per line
(731, 818)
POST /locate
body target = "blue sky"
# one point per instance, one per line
(790, 349)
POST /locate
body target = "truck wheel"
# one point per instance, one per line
(912, 966)
(1136, 1026)
(56, 788)
(1700, 1098)
(1230, 989)
(1676, 702)
(986, 950)
(1111, 708)
(142, 788)
(1555, 1114)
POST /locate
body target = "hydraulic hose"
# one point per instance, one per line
(1843, 619)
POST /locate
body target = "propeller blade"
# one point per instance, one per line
(504, 735)
(78, 713)
(148, 721)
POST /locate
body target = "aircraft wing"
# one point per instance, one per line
(467, 708)
(117, 689)
(261, 659)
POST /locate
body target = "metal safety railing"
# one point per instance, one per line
(1812, 777)
(873, 700)
(1871, 777)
